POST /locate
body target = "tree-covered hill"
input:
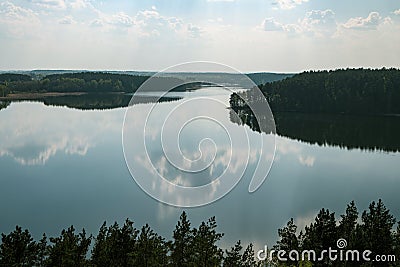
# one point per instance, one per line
(263, 77)
(14, 77)
(351, 91)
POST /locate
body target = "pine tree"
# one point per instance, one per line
(69, 249)
(377, 228)
(114, 245)
(18, 249)
(205, 250)
(182, 244)
(150, 249)
(288, 239)
(348, 223)
(233, 256)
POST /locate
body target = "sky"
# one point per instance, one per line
(248, 35)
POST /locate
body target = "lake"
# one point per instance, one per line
(63, 164)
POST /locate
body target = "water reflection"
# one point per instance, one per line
(192, 154)
(99, 101)
(62, 166)
(31, 135)
(344, 131)
(4, 104)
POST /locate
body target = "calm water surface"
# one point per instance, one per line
(62, 166)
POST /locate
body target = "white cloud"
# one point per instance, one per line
(120, 19)
(359, 23)
(17, 21)
(78, 4)
(67, 20)
(152, 23)
(51, 4)
(289, 4)
(97, 23)
(269, 24)
(220, 0)
(16, 13)
(307, 161)
(319, 22)
(315, 22)
(193, 30)
(397, 12)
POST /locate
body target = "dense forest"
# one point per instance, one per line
(350, 91)
(125, 245)
(128, 82)
(88, 82)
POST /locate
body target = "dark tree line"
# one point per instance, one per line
(89, 82)
(126, 245)
(351, 91)
(373, 230)
(13, 77)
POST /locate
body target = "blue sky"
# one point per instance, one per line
(249, 35)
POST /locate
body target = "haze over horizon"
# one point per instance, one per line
(280, 36)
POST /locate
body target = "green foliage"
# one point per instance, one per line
(233, 256)
(19, 249)
(182, 244)
(3, 90)
(348, 224)
(248, 259)
(352, 91)
(377, 225)
(69, 249)
(397, 240)
(13, 77)
(374, 233)
(88, 82)
(321, 234)
(114, 244)
(150, 249)
(288, 240)
(128, 246)
(205, 250)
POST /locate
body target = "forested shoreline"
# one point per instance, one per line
(87, 82)
(348, 91)
(36, 82)
(126, 245)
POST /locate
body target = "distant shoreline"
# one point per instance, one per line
(31, 96)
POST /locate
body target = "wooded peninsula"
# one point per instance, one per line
(347, 91)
